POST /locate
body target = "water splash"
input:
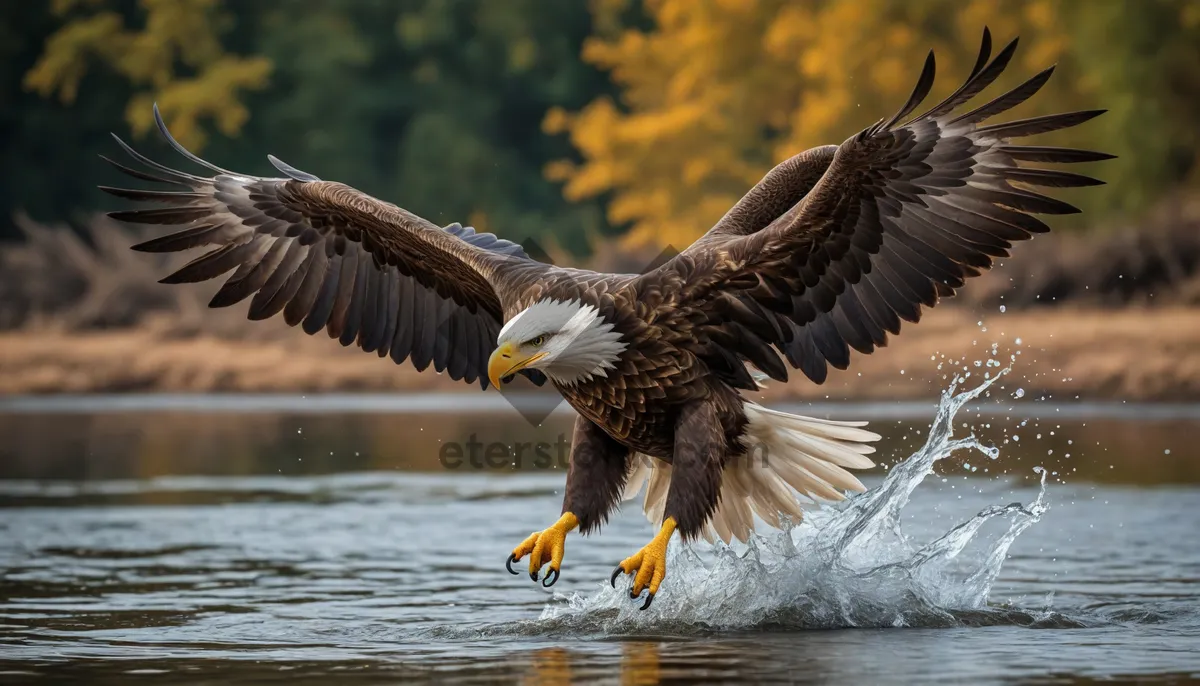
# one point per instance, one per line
(846, 565)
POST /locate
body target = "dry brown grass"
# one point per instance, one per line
(1132, 353)
(85, 314)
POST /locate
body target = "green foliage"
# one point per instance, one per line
(1141, 60)
(435, 105)
(454, 108)
(175, 58)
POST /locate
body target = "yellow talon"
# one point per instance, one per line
(545, 546)
(649, 564)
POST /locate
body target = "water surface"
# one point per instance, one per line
(258, 543)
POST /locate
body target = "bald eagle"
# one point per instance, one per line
(829, 253)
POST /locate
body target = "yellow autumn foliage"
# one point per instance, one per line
(718, 91)
(175, 59)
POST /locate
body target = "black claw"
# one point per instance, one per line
(508, 565)
(551, 578)
(649, 599)
(634, 596)
(616, 573)
(534, 574)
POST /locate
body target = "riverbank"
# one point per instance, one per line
(1132, 353)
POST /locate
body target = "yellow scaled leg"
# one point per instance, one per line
(545, 546)
(649, 564)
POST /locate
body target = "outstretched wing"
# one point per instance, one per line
(904, 214)
(330, 257)
(777, 192)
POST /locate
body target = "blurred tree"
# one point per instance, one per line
(175, 58)
(717, 91)
(433, 104)
(1141, 60)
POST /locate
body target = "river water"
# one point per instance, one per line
(350, 539)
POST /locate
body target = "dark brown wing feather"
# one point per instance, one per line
(778, 191)
(903, 215)
(329, 257)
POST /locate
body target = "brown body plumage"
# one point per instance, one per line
(830, 252)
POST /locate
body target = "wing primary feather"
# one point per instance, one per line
(1027, 201)
(936, 264)
(910, 295)
(802, 354)
(974, 84)
(138, 174)
(489, 330)
(1032, 153)
(255, 270)
(345, 292)
(855, 325)
(379, 314)
(917, 282)
(455, 329)
(976, 226)
(367, 331)
(193, 237)
(831, 344)
(318, 315)
(425, 325)
(1035, 125)
(1005, 102)
(210, 265)
(457, 367)
(903, 304)
(402, 341)
(920, 91)
(281, 285)
(169, 197)
(301, 303)
(442, 334)
(182, 178)
(469, 344)
(164, 215)
(1000, 221)
(876, 306)
(391, 311)
(1050, 178)
(354, 313)
(985, 51)
(162, 128)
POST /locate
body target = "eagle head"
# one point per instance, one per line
(569, 341)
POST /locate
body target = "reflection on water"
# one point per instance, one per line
(1124, 444)
(260, 546)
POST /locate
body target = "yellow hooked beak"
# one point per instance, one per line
(506, 361)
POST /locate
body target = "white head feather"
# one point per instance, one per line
(579, 344)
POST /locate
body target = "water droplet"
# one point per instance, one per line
(1003, 308)
(1019, 393)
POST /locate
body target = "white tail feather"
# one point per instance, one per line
(785, 454)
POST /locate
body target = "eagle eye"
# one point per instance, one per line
(536, 341)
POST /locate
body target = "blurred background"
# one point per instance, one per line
(228, 495)
(604, 131)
